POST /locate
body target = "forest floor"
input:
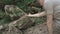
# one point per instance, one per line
(37, 29)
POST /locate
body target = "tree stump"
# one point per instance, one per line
(24, 22)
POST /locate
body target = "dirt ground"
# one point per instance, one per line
(38, 29)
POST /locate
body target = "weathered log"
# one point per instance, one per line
(22, 23)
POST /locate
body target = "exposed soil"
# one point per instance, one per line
(38, 29)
